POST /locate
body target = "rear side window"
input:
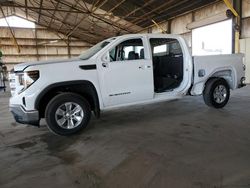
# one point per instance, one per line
(128, 50)
(165, 47)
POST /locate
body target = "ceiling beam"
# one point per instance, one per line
(92, 10)
(135, 10)
(177, 10)
(147, 15)
(76, 26)
(96, 6)
(55, 31)
(53, 14)
(69, 25)
(116, 6)
(26, 9)
(144, 16)
(181, 6)
(109, 12)
(85, 32)
(40, 10)
(16, 5)
(183, 13)
(68, 13)
(109, 22)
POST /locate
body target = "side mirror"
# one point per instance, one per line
(105, 58)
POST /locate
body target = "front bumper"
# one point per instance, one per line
(25, 117)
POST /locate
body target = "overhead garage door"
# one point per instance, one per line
(212, 39)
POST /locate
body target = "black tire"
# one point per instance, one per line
(58, 102)
(208, 93)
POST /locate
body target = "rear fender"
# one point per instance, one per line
(227, 74)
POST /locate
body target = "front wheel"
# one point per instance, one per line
(67, 114)
(216, 93)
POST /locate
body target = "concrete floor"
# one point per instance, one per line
(178, 144)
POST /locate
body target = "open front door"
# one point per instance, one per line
(127, 77)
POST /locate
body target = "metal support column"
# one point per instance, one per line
(236, 9)
(237, 5)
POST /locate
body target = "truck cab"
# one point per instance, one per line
(142, 68)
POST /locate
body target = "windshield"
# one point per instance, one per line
(93, 50)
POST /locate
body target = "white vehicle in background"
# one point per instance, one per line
(120, 71)
(12, 83)
(2, 74)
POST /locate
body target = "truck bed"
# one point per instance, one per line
(205, 67)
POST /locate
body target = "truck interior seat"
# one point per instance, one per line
(131, 55)
(168, 72)
(136, 56)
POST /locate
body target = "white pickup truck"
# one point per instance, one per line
(120, 71)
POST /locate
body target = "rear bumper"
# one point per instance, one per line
(25, 117)
(242, 82)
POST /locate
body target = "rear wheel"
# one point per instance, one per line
(216, 93)
(67, 114)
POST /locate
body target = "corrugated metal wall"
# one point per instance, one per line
(37, 44)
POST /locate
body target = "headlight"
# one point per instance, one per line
(26, 79)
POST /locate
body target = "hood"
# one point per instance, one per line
(22, 66)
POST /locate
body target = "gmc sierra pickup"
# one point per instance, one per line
(120, 71)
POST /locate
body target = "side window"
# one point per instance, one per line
(165, 47)
(128, 50)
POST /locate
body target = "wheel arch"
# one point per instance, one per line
(227, 74)
(82, 87)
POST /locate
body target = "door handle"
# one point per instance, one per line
(105, 65)
(145, 67)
